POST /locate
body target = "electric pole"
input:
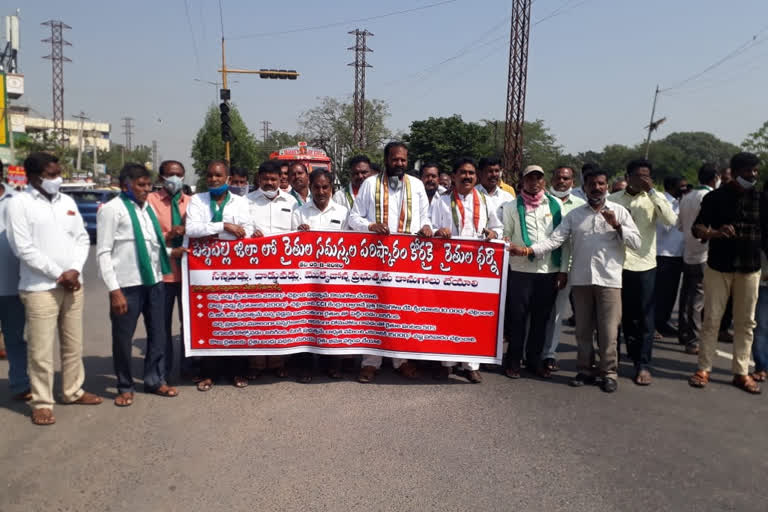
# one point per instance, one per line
(360, 64)
(80, 144)
(517, 81)
(128, 132)
(57, 59)
(652, 125)
(265, 130)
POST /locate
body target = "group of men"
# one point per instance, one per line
(606, 254)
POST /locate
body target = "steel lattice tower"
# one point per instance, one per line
(518, 76)
(57, 59)
(360, 64)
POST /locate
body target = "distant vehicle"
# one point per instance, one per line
(314, 158)
(88, 202)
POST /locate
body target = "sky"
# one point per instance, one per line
(593, 64)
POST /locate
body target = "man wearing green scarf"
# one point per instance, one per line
(133, 258)
(170, 206)
(532, 283)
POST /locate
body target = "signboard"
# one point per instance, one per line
(346, 293)
(16, 175)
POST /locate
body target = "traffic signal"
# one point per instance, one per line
(226, 129)
(278, 74)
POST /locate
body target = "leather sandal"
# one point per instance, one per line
(124, 399)
(88, 399)
(43, 417)
(699, 379)
(408, 371)
(367, 374)
(746, 383)
(166, 391)
(759, 376)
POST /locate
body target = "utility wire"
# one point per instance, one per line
(338, 23)
(753, 41)
(192, 33)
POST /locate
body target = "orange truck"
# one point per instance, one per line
(313, 158)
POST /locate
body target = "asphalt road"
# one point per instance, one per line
(393, 445)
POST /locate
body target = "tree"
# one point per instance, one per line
(329, 126)
(757, 143)
(115, 158)
(276, 141)
(208, 145)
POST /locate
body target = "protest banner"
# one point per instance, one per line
(346, 293)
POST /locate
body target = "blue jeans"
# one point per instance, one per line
(148, 301)
(760, 344)
(12, 324)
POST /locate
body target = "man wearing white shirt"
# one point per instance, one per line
(219, 214)
(429, 173)
(11, 308)
(465, 213)
(47, 234)
(133, 259)
(532, 284)
(598, 231)
(299, 176)
(359, 170)
(561, 188)
(669, 261)
(271, 213)
(691, 311)
(320, 214)
(489, 177)
(382, 207)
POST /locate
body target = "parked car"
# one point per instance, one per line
(89, 202)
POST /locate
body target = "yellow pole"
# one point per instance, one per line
(224, 86)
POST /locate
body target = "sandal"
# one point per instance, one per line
(643, 378)
(512, 373)
(408, 371)
(205, 385)
(759, 376)
(43, 417)
(239, 382)
(253, 373)
(367, 374)
(166, 391)
(550, 364)
(699, 379)
(304, 378)
(124, 399)
(746, 383)
(335, 373)
(88, 399)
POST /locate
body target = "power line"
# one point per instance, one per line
(192, 33)
(751, 43)
(347, 22)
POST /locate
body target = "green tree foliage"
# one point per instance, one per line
(207, 146)
(443, 139)
(116, 156)
(757, 143)
(330, 127)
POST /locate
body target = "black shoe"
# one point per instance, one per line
(581, 379)
(570, 322)
(667, 331)
(609, 385)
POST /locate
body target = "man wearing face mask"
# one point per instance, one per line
(47, 234)
(359, 170)
(648, 208)
(730, 220)
(391, 202)
(133, 258)
(238, 181)
(170, 206)
(271, 212)
(219, 214)
(691, 310)
(561, 188)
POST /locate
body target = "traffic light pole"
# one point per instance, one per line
(263, 73)
(224, 86)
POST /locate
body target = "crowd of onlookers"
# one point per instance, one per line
(612, 253)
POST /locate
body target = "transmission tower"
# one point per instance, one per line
(360, 64)
(57, 59)
(518, 76)
(265, 129)
(128, 132)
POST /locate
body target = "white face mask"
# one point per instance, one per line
(744, 183)
(173, 184)
(52, 186)
(718, 181)
(560, 194)
(269, 194)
